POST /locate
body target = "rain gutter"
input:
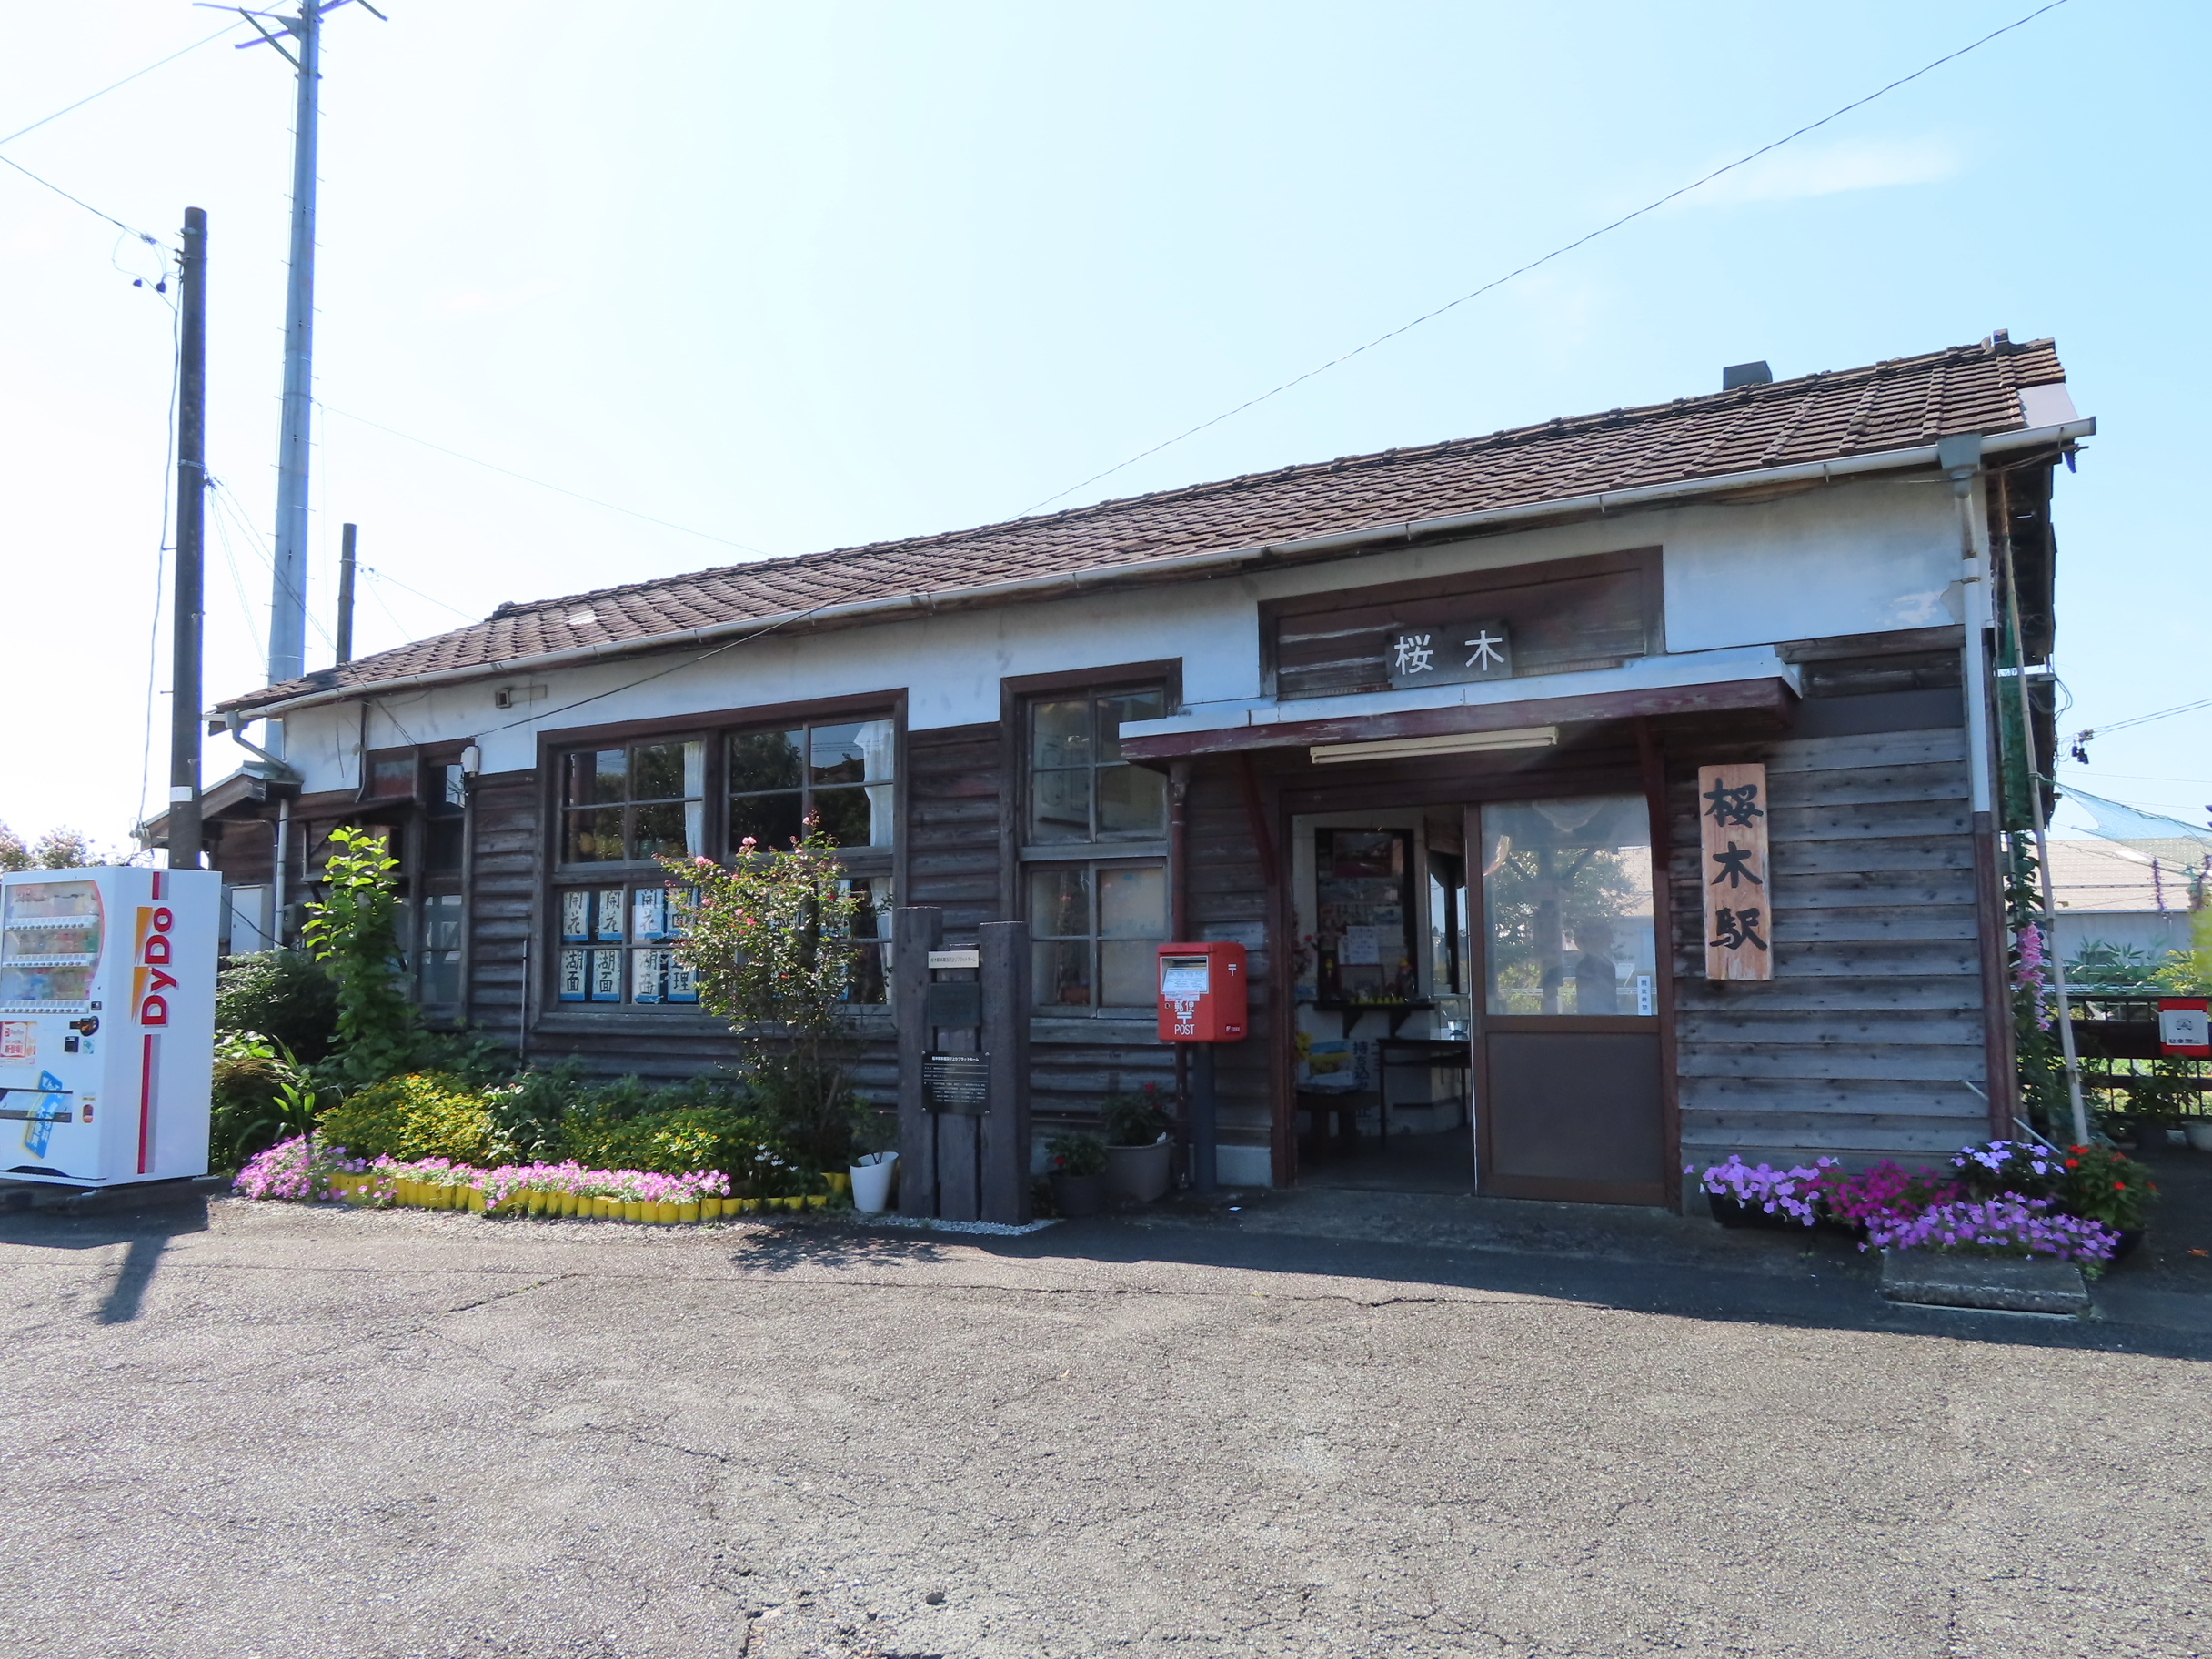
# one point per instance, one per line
(1599, 503)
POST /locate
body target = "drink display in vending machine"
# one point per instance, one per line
(106, 1023)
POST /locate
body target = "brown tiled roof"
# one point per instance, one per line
(1894, 404)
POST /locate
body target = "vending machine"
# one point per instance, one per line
(106, 1023)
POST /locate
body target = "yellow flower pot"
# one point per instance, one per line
(568, 1203)
(818, 1201)
(632, 1209)
(838, 1182)
(688, 1213)
(668, 1213)
(476, 1199)
(605, 1209)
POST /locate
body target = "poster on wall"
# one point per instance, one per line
(1732, 846)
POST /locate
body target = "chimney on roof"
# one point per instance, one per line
(1745, 374)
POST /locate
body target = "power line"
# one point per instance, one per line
(81, 202)
(371, 570)
(229, 503)
(674, 668)
(161, 554)
(1567, 248)
(558, 489)
(127, 80)
(2144, 719)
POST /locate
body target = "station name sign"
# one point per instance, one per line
(1449, 651)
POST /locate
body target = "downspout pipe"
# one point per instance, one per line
(1961, 458)
(279, 772)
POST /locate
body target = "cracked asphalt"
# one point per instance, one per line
(253, 1431)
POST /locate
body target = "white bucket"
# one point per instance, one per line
(2199, 1132)
(872, 1181)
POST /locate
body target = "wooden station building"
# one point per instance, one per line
(1592, 798)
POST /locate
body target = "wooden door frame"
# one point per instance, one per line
(1482, 1023)
(1464, 782)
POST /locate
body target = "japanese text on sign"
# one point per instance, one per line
(1731, 862)
(1449, 653)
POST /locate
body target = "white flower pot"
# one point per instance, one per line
(872, 1181)
(2200, 1134)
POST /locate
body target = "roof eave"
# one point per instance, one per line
(1596, 504)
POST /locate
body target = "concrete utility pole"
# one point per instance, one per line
(288, 591)
(184, 833)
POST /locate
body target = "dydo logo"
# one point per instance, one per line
(151, 981)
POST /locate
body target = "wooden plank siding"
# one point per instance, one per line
(955, 783)
(1227, 887)
(505, 864)
(1869, 1042)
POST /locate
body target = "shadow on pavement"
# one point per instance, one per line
(784, 1249)
(145, 1225)
(1813, 1281)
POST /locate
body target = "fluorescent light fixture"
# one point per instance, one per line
(1456, 743)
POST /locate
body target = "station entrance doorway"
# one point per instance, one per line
(1478, 999)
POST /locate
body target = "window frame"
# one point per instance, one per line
(714, 729)
(405, 820)
(1018, 694)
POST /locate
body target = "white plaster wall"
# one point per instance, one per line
(1866, 556)
(1863, 558)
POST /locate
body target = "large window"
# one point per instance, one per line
(1097, 929)
(1095, 838)
(1080, 789)
(623, 806)
(420, 809)
(632, 803)
(840, 772)
(1567, 897)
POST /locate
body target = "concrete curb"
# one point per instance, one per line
(1941, 1279)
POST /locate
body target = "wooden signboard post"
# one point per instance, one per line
(1732, 841)
(963, 1070)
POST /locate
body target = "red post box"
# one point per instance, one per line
(1201, 992)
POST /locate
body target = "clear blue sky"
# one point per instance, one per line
(804, 276)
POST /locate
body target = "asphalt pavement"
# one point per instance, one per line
(1315, 1423)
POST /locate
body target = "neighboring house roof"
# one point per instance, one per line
(1901, 404)
(2107, 875)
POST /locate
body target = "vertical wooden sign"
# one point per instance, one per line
(1732, 840)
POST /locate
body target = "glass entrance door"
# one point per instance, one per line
(1568, 1102)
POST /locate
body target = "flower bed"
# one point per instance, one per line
(2006, 1226)
(285, 1171)
(2003, 1198)
(1789, 1195)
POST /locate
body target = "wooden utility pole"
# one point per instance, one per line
(346, 571)
(184, 832)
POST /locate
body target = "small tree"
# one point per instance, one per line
(354, 931)
(770, 939)
(60, 849)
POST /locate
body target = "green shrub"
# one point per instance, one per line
(283, 995)
(680, 1142)
(425, 1115)
(354, 931)
(246, 1104)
